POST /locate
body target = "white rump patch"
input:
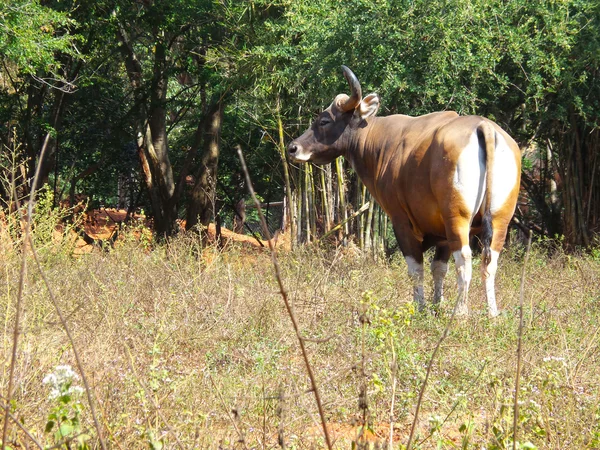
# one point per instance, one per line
(469, 176)
(504, 174)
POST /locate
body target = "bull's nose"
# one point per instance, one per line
(292, 148)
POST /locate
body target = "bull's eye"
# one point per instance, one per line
(324, 121)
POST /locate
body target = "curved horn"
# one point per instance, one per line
(356, 96)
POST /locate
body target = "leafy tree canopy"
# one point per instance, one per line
(31, 34)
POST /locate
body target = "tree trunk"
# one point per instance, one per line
(49, 160)
(202, 203)
(151, 130)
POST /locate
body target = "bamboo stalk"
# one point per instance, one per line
(286, 173)
(376, 231)
(342, 195)
(330, 193)
(312, 195)
(297, 208)
(361, 195)
(325, 200)
(306, 203)
(385, 228)
(589, 202)
(368, 228)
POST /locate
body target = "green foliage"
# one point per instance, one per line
(31, 34)
(53, 225)
(532, 66)
(420, 57)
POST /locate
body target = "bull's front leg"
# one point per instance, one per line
(413, 254)
(439, 268)
(416, 274)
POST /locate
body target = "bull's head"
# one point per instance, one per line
(333, 130)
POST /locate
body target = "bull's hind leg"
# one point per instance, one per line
(458, 240)
(464, 272)
(488, 272)
(416, 274)
(488, 275)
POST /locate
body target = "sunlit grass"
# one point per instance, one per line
(195, 343)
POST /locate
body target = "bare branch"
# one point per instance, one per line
(65, 86)
(288, 306)
(520, 347)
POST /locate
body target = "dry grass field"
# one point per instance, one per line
(190, 347)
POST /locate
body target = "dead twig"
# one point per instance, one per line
(286, 301)
(363, 398)
(25, 430)
(154, 402)
(242, 439)
(520, 347)
(19, 301)
(63, 321)
(428, 372)
(339, 226)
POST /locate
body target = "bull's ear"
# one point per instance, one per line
(368, 106)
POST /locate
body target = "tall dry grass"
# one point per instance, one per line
(188, 347)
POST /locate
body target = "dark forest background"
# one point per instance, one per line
(141, 104)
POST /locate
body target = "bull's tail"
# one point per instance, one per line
(487, 138)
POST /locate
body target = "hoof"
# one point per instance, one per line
(438, 300)
(497, 313)
(421, 307)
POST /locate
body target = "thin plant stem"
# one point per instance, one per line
(63, 321)
(429, 366)
(286, 174)
(286, 301)
(242, 439)
(153, 400)
(394, 383)
(25, 430)
(19, 302)
(264, 405)
(363, 400)
(520, 347)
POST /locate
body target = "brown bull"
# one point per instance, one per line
(439, 177)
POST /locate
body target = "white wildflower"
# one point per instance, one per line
(535, 404)
(553, 358)
(61, 382)
(50, 379)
